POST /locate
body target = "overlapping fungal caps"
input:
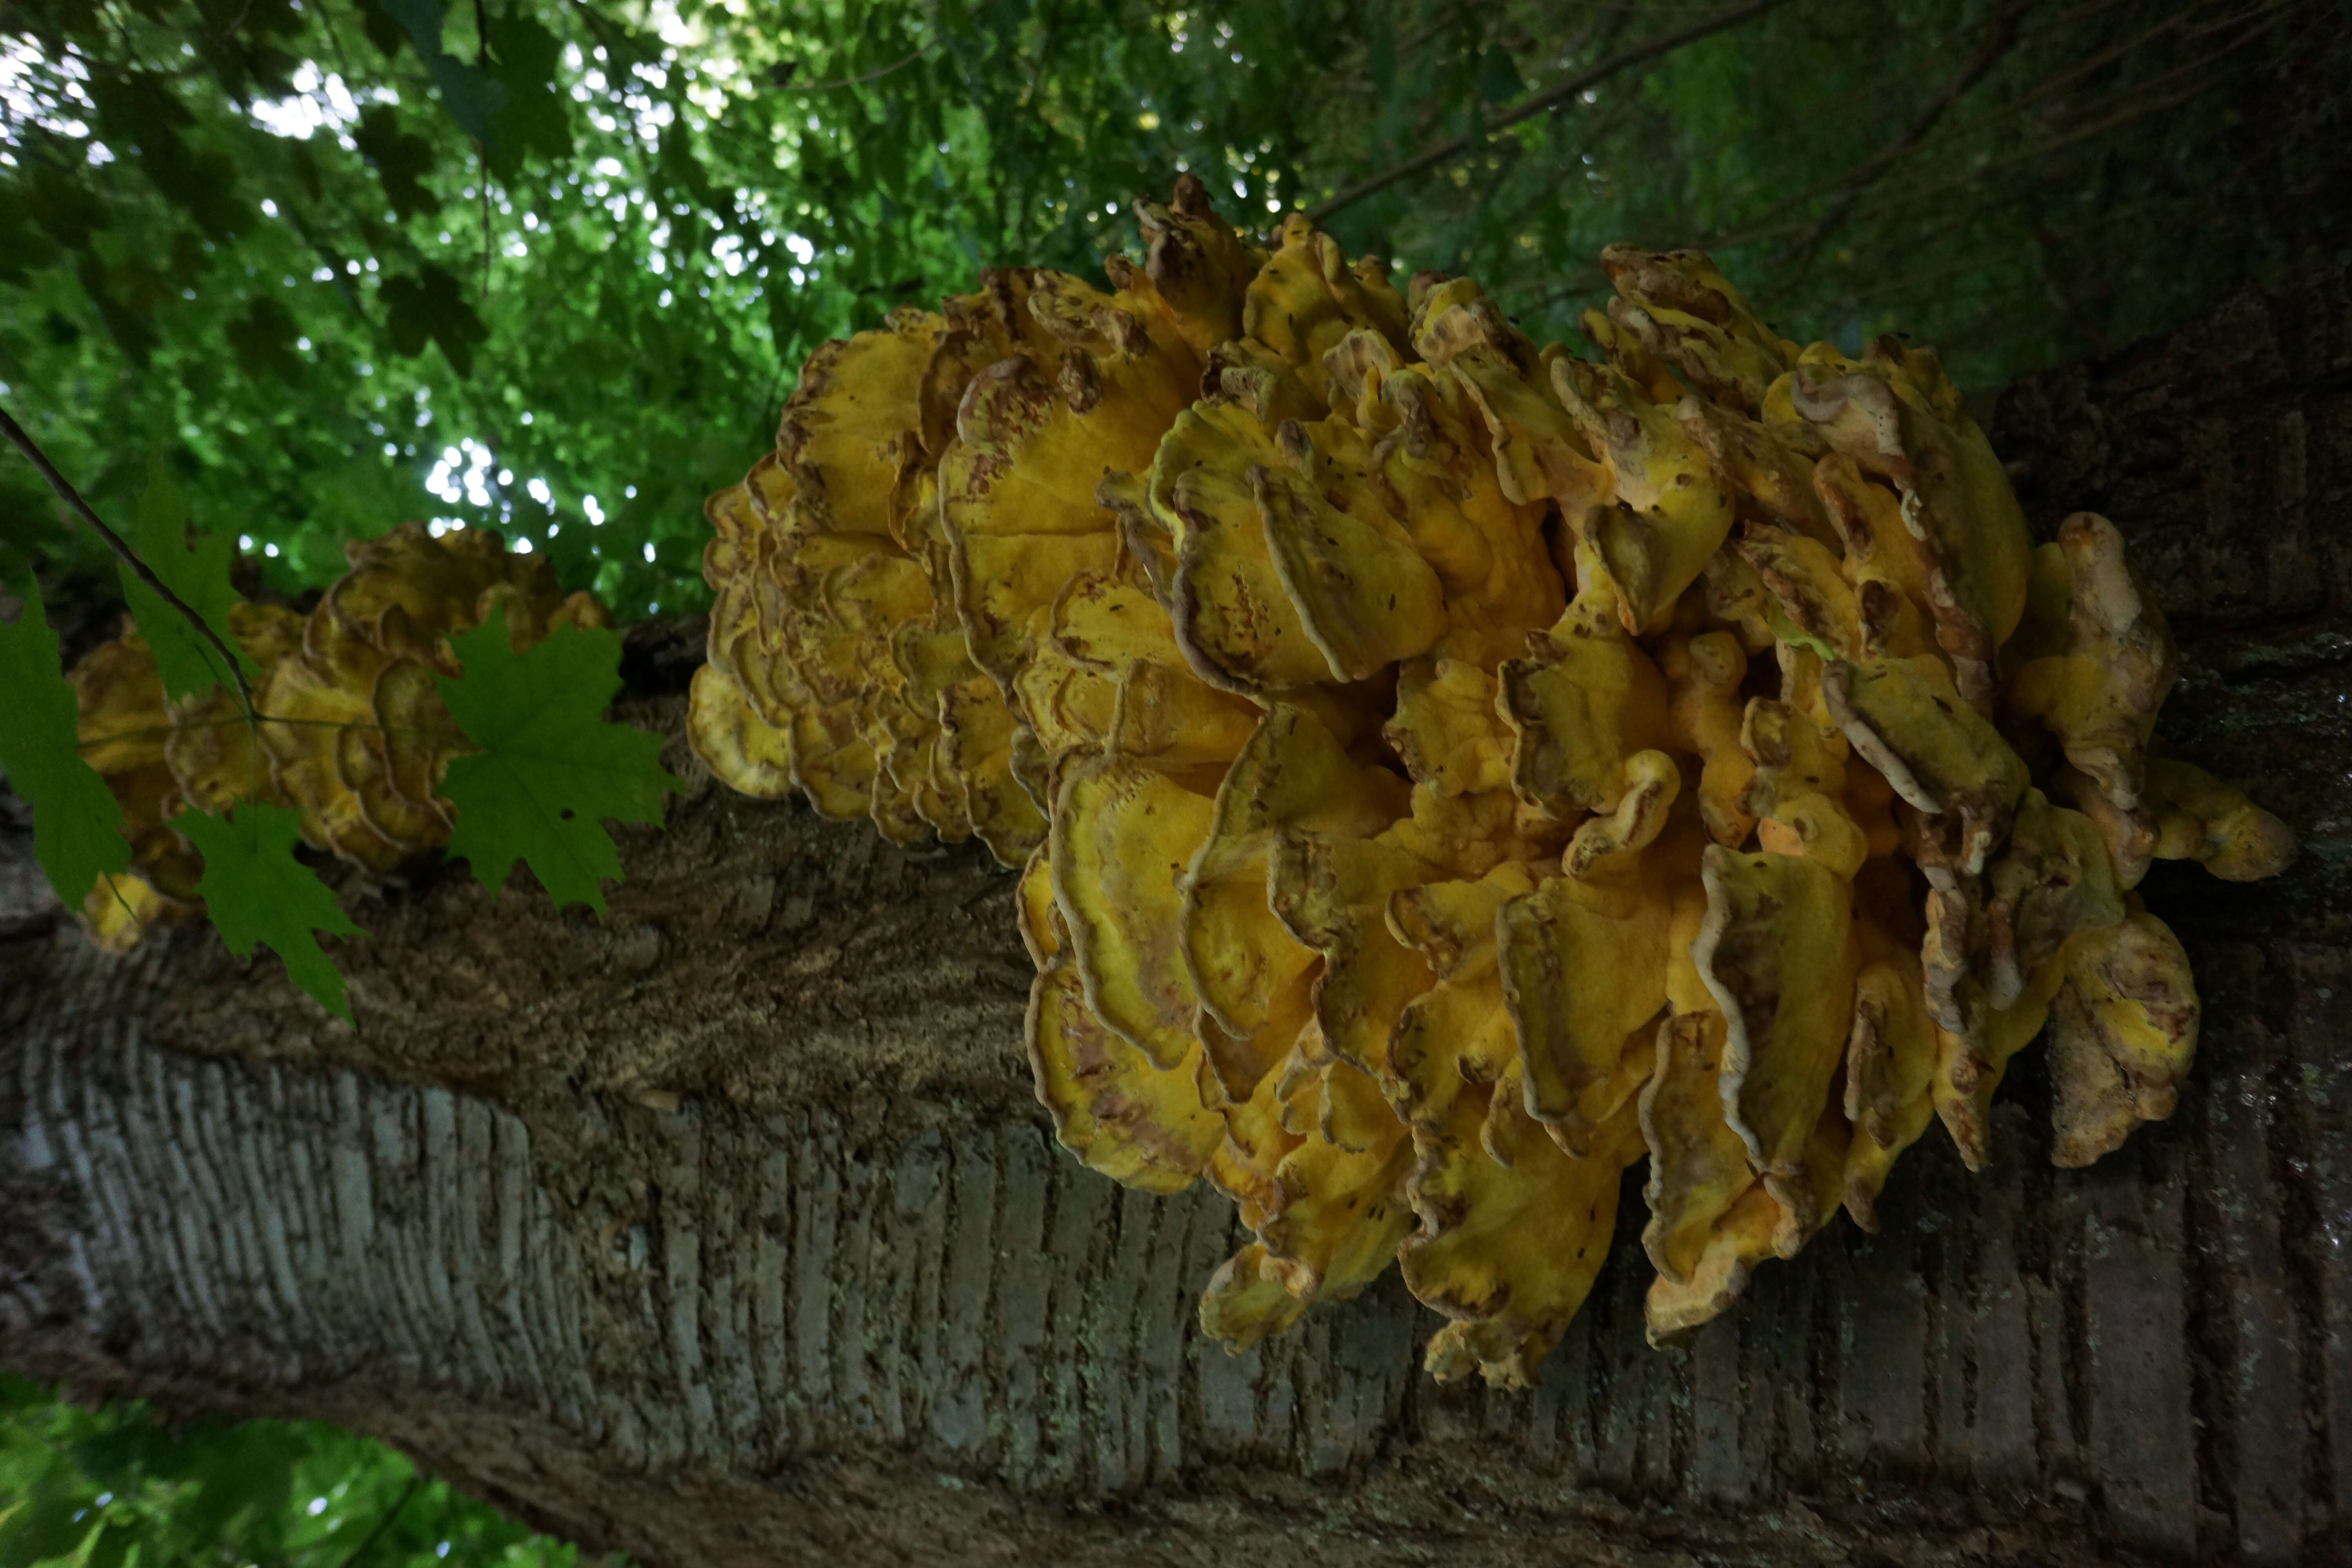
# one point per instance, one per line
(351, 731)
(921, 604)
(1448, 772)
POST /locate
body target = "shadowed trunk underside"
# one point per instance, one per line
(723, 1228)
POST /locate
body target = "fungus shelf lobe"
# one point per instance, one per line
(1449, 771)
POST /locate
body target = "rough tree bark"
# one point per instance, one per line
(724, 1230)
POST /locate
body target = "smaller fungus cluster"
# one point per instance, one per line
(349, 729)
(1447, 771)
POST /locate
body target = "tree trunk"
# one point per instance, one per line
(724, 1230)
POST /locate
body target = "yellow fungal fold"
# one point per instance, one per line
(1449, 771)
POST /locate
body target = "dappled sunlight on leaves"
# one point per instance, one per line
(684, 200)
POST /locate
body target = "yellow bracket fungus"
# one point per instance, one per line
(354, 734)
(1448, 770)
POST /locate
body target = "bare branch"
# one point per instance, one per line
(1541, 102)
(2121, 108)
(2001, 36)
(1761, 226)
(876, 74)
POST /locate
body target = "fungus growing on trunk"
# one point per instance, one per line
(357, 736)
(1450, 772)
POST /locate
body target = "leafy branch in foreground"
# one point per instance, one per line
(76, 826)
(682, 200)
(255, 890)
(189, 632)
(156, 795)
(148, 588)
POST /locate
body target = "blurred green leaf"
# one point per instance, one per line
(471, 96)
(67, 211)
(23, 248)
(535, 120)
(138, 109)
(1498, 77)
(431, 307)
(263, 339)
(131, 328)
(219, 1496)
(401, 159)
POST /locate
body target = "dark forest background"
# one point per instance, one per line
(550, 266)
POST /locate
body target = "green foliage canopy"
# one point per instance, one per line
(550, 265)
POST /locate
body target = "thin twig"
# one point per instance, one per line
(874, 75)
(1761, 225)
(1546, 192)
(2138, 101)
(121, 548)
(224, 34)
(1550, 98)
(1769, 141)
(414, 1480)
(1995, 119)
(2136, 107)
(2001, 36)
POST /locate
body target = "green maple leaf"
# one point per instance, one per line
(255, 890)
(549, 769)
(535, 117)
(469, 95)
(76, 826)
(263, 343)
(401, 160)
(431, 307)
(184, 657)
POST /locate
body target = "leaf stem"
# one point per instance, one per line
(876, 74)
(482, 148)
(121, 548)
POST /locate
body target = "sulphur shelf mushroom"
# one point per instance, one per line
(1446, 773)
(357, 737)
